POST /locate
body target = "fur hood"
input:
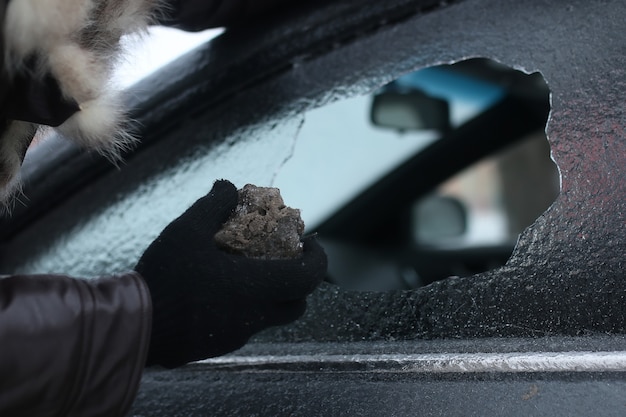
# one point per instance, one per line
(57, 61)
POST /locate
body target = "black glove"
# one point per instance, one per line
(207, 302)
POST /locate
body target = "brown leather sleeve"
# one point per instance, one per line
(72, 347)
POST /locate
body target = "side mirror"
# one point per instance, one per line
(409, 109)
(438, 218)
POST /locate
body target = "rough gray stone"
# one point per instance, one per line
(262, 226)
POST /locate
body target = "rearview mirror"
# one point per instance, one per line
(409, 109)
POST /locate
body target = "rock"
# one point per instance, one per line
(262, 226)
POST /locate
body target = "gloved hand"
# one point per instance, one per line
(207, 302)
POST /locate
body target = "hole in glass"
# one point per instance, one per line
(434, 175)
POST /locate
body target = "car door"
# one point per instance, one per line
(544, 331)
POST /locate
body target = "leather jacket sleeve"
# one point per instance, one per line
(72, 347)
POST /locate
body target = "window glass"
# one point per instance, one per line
(321, 160)
(502, 195)
(338, 152)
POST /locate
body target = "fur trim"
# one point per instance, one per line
(78, 71)
(100, 125)
(35, 26)
(119, 17)
(14, 142)
(78, 43)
